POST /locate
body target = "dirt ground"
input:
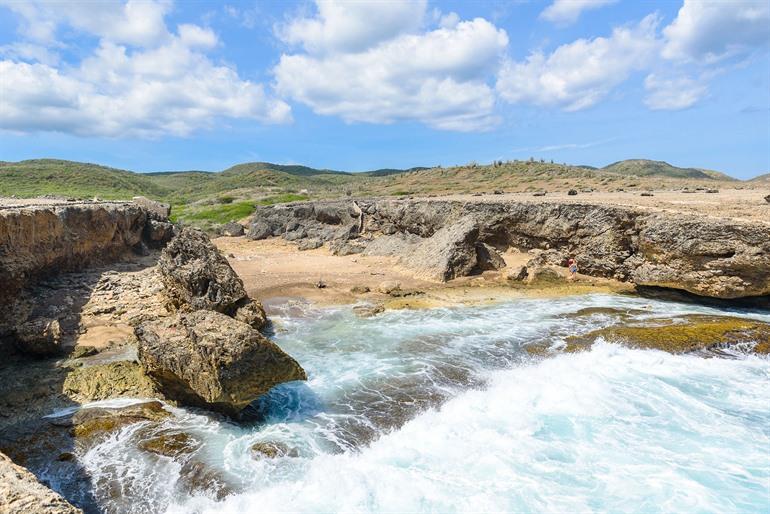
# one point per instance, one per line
(273, 270)
(745, 204)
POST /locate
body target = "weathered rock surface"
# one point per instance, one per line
(683, 334)
(232, 229)
(444, 239)
(113, 380)
(210, 360)
(21, 493)
(196, 276)
(38, 241)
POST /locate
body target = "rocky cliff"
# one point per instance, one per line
(46, 239)
(445, 239)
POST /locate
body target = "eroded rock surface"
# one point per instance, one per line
(21, 493)
(444, 239)
(196, 276)
(208, 359)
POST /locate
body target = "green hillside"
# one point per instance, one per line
(289, 169)
(647, 168)
(74, 179)
(762, 179)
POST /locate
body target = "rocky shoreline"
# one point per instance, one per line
(111, 300)
(446, 239)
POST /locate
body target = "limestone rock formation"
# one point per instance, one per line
(207, 359)
(37, 241)
(196, 276)
(113, 380)
(443, 239)
(21, 493)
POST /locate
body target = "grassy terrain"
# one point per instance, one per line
(208, 199)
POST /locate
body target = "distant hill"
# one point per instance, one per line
(762, 179)
(77, 179)
(384, 172)
(647, 168)
(291, 169)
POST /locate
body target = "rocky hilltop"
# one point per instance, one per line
(446, 239)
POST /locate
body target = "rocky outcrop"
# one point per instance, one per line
(210, 360)
(196, 276)
(40, 240)
(442, 239)
(21, 493)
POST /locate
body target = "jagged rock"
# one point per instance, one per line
(488, 258)
(250, 312)
(767, 198)
(112, 380)
(197, 478)
(155, 210)
(259, 230)
(158, 233)
(572, 192)
(272, 450)
(438, 240)
(207, 359)
(309, 244)
(21, 493)
(170, 444)
(90, 424)
(196, 276)
(232, 229)
(516, 274)
(39, 337)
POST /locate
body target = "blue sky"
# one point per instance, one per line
(159, 85)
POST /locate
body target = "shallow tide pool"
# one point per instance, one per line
(445, 410)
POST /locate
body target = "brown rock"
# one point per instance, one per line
(104, 381)
(21, 493)
(39, 337)
(272, 450)
(516, 274)
(170, 444)
(196, 276)
(210, 360)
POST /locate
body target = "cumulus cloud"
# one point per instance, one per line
(342, 26)
(436, 77)
(709, 30)
(579, 74)
(164, 86)
(135, 22)
(672, 92)
(565, 12)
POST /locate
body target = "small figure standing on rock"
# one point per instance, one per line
(573, 268)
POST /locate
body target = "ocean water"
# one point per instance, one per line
(445, 410)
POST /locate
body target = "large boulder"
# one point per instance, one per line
(196, 276)
(40, 337)
(210, 360)
(155, 210)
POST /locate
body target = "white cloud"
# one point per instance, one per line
(565, 12)
(709, 30)
(579, 74)
(194, 36)
(436, 77)
(344, 26)
(121, 90)
(673, 92)
(135, 22)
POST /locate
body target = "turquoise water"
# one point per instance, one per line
(445, 411)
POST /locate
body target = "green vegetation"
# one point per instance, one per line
(646, 168)
(284, 198)
(221, 213)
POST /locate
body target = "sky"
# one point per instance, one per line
(158, 85)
